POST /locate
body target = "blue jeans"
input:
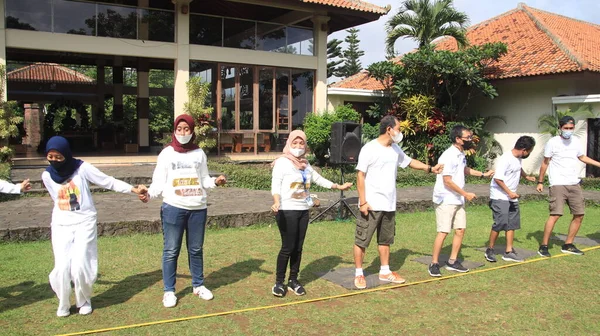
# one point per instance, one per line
(174, 222)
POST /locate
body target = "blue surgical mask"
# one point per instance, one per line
(566, 134)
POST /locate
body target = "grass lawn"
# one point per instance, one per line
(553, 296)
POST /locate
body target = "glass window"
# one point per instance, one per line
(265, 99)
(239, 34)
(207, 73)
(282, 99)
(156, 25)
(271, 37)
(29, 15)
(206, 30)
(72, 17)
(302, 93)
(246, 98)
(228, 97)
(114, 21)
(300, 41)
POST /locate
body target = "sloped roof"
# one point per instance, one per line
(539, 43)
(48, 73)
(352, 4)
(360, 81)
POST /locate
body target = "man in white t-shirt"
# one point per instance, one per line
(504, 200)
(562, 156)
(449, 196)
(377, 167)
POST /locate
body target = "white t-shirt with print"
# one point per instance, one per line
(293, 185)
(380, 164)
(564, 164)
(508, 169)
(73, 203)
(181, 179)
(454, 162)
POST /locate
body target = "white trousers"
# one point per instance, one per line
(75, 250)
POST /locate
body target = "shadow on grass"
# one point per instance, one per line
(325, 264)
(125, 289)
(231, 274)
(538, 236)
(23, 294)
(397, 259)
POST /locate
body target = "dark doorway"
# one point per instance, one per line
(593, 146)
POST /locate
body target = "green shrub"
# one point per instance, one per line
(591, 183)
(369, 132)
(318, 129)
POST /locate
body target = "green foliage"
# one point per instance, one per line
(452, 78)
(424, 21)
(202, 114)
(334, 57)
(318, 129)
(369, 132)
(548, 124)
(351, 55)
(9, 120)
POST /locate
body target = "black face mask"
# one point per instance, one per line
(467, 145)
(57, 164)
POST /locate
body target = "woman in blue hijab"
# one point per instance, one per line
(73, 227)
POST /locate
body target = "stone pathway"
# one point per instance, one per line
(28, 218)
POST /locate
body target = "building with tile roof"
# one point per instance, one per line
(553, 62)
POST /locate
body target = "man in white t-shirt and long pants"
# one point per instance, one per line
(504, 200)
(377, 167)
(562, 155)
(449, 196)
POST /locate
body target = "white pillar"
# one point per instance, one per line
(3, 50)
(321, 29)
(182, 62)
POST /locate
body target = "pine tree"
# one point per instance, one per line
(352, 54)
(334, 57)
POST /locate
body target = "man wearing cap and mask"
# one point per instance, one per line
(562, 155)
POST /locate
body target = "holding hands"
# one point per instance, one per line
(489, 173)
(25, 185)
(344, 186)
(221, 180)
(438, 168)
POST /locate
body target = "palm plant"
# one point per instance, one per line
(548, 123)
(424, 21)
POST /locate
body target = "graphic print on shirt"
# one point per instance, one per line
(69, 197)
(187, 186)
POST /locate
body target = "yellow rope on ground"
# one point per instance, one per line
(358, 292)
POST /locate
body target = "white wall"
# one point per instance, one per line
(522, 101)
(335, 100)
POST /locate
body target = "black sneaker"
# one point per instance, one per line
(570, 248)
(296, 287)
(490, 254)
(434, 270)
(279, 290)
(457, 267)
(543, 251)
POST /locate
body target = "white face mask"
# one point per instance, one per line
(297, 152)
(183, 139)
(397, 138)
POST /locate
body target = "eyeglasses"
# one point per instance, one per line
(467, 138)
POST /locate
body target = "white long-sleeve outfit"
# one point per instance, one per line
(74, 232)
(288, 182)
(9, 188)
(181, 179)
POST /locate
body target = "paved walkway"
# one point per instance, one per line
(28, 218)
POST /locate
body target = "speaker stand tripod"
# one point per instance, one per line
(341, 201)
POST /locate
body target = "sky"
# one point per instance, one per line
(372, 35)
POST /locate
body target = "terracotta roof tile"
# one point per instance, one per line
(352, 4)
(359, 81)
(48, 73)
(539, 43)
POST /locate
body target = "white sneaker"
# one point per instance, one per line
(169, 299)
(63, 312)
(203, 293)
(86, 308)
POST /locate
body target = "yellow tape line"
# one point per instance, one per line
(358, 292)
